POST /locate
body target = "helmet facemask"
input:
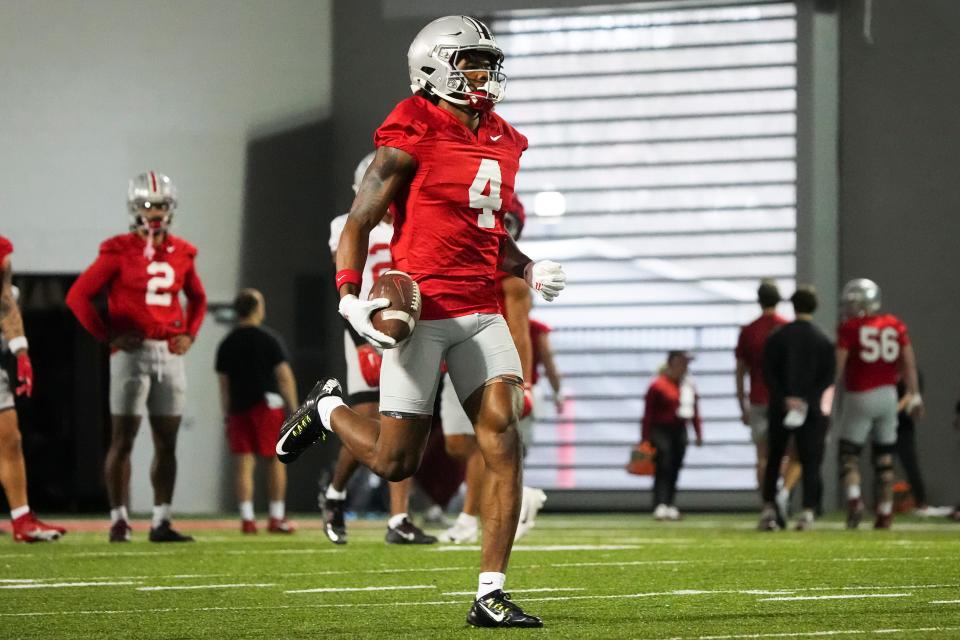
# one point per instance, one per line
(460, 88)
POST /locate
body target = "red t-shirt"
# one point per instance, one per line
(6, 248)
(750, 350)
(537, 329)
(661, 406)
(874, 345)
(449, 219)
(143, 295)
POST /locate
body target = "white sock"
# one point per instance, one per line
(853, 492)
(807, 514)
(325, 407)
(489, 582)
(246, 510)
(467, 520)
(161, 512)
(118, 513)
(333, 494)
(885, 508)
(19, 511)
(396, 520)
(277, 509)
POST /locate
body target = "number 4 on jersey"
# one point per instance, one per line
(487, 174)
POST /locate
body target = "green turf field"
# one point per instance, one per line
(618, 576)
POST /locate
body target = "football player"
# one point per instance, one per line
(459, 437)
(143, 273)
(13, 470)
(363, 386)
(447, 163)
(873, 351)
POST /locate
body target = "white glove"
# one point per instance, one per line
(357, 312)
(546, 278)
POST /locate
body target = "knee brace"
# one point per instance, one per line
(883, 466)
(849, 458)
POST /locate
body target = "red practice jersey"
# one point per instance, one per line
(449, 220)
(750, 350)
(6, 248)
(874, 345)
(143, 295)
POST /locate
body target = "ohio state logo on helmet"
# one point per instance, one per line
(433, 56)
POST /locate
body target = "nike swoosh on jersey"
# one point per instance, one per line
(497, 616)
(495, 138)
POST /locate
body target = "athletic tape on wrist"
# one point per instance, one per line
(18, 343)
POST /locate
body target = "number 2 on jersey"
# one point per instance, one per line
(487, 174)
(879, 345)
(162, 278)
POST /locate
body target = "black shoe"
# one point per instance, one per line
(166, 533)
(496, 610)
(334, 524)
(303, 428)
(408, 533)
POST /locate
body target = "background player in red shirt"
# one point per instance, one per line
(143, 273)
(749, 354)
(670, 405)
(873, 351)
(13, 470)
(448, 165)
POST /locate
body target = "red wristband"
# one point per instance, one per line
(348, 276)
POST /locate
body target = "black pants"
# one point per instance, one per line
(907, 452)
(670, 441)
(809, 439)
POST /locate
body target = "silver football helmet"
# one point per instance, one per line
(151, 190)
(361, 170)
(433, 55)
(860, 297)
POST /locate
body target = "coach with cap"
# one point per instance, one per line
(671, 405)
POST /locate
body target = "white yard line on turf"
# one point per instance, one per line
(846, 596)
(190, 587)
(339, 589)
(821, 634)
(65, 585)
(945, 602)
(550, 547)
(470, 593)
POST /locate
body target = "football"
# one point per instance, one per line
(399, 319)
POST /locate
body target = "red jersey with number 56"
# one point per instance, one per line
(143, 295)
(874, 345)
(449, 220)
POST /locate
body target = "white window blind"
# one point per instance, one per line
(671, 133)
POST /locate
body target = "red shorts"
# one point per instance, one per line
(255, 430)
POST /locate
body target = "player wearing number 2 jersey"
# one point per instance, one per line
(143, 274)
(448, 165)
(873, 352)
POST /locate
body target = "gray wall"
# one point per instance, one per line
(94, 92)
(899, 196)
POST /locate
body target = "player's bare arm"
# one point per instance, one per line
(842, 355)
(517, 305)
(543, 276)
(741, 392)
(389, 173)
(908, 369)
(11, 322)
(287, 385)
(224, 383)
(512, 259)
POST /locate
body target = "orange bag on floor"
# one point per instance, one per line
(642, 460)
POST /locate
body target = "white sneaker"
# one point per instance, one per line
(531, 503)
(932, 512)
(463, 531)
(673, 513)
(662, 512)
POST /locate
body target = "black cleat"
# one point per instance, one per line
(408, 533)
(496, 610)
(120, 531)
(303, 428)
(334, 524)
(166, 533)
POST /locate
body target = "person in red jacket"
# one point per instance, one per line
(671, 404)
(13, 470)
(143, 273)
